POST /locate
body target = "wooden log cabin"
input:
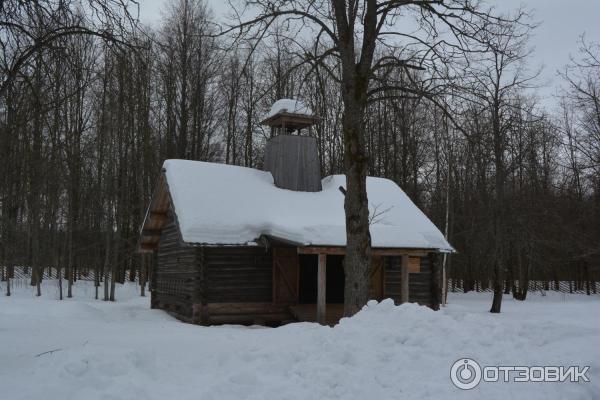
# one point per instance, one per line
(240, 245)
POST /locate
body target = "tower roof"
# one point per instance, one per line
(290, 114)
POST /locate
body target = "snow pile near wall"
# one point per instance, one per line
(289, 106)
(226, 204)
(124, 350)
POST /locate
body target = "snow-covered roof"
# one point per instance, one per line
(289, 106)
(231, 205)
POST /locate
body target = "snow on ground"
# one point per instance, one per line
(124, 350)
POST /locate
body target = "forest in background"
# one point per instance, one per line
(87, 123)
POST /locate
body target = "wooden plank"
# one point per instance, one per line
(340, 251)
(254, 319)
(245, 308)
(321, 289)
(414, 265)
(377, 278)
(175, 275)
(156, 218)
(307, 312)
(384, 278)
(436, 284)
(238, 274)
(404, 279)
(294, 163)
(285, 275)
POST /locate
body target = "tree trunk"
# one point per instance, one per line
(498, 283)
(358, 252)
(113, 275)
(499, 267)
(60, 282)
(96, 281)
(107, 262)
(68, 269)
(69, 282)
(143, 276)
(38, 281)
(113, 278)
(588, 284)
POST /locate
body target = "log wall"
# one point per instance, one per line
(176, 274)
(234, 284)
(238, 274)
(420, 288)
(238, 286)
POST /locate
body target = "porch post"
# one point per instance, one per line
(321, 285)
(404, 280)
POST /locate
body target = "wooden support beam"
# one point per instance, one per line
(375, 251)
(436, 281)
(322, 250)
(404, 279)
(321, 290)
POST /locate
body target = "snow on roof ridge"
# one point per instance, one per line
(224, 204)
(292, 106)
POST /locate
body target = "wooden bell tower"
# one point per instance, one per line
(292, 159)
(288, 116)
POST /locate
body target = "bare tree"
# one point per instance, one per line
(495, 76)
(347, 34)
(21, 41)
(86, 122)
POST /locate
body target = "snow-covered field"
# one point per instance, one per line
(124, 350)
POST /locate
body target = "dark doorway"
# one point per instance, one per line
(308, 279)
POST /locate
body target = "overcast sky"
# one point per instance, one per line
(562, 22)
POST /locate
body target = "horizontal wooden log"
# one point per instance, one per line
(245, 308)
(238, 297)
(249, 319)
(374, 251)
(238, 274)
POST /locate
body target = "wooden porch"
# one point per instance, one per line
(321, 307)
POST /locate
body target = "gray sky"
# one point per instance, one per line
(562, 22)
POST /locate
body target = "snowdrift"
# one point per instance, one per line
(124, 350)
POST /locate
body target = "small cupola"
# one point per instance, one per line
(293, 160)
(288, 116)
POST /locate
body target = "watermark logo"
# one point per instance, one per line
(466, 374)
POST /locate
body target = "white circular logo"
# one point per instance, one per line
(465, 373)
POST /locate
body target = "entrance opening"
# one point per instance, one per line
(309, 265)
